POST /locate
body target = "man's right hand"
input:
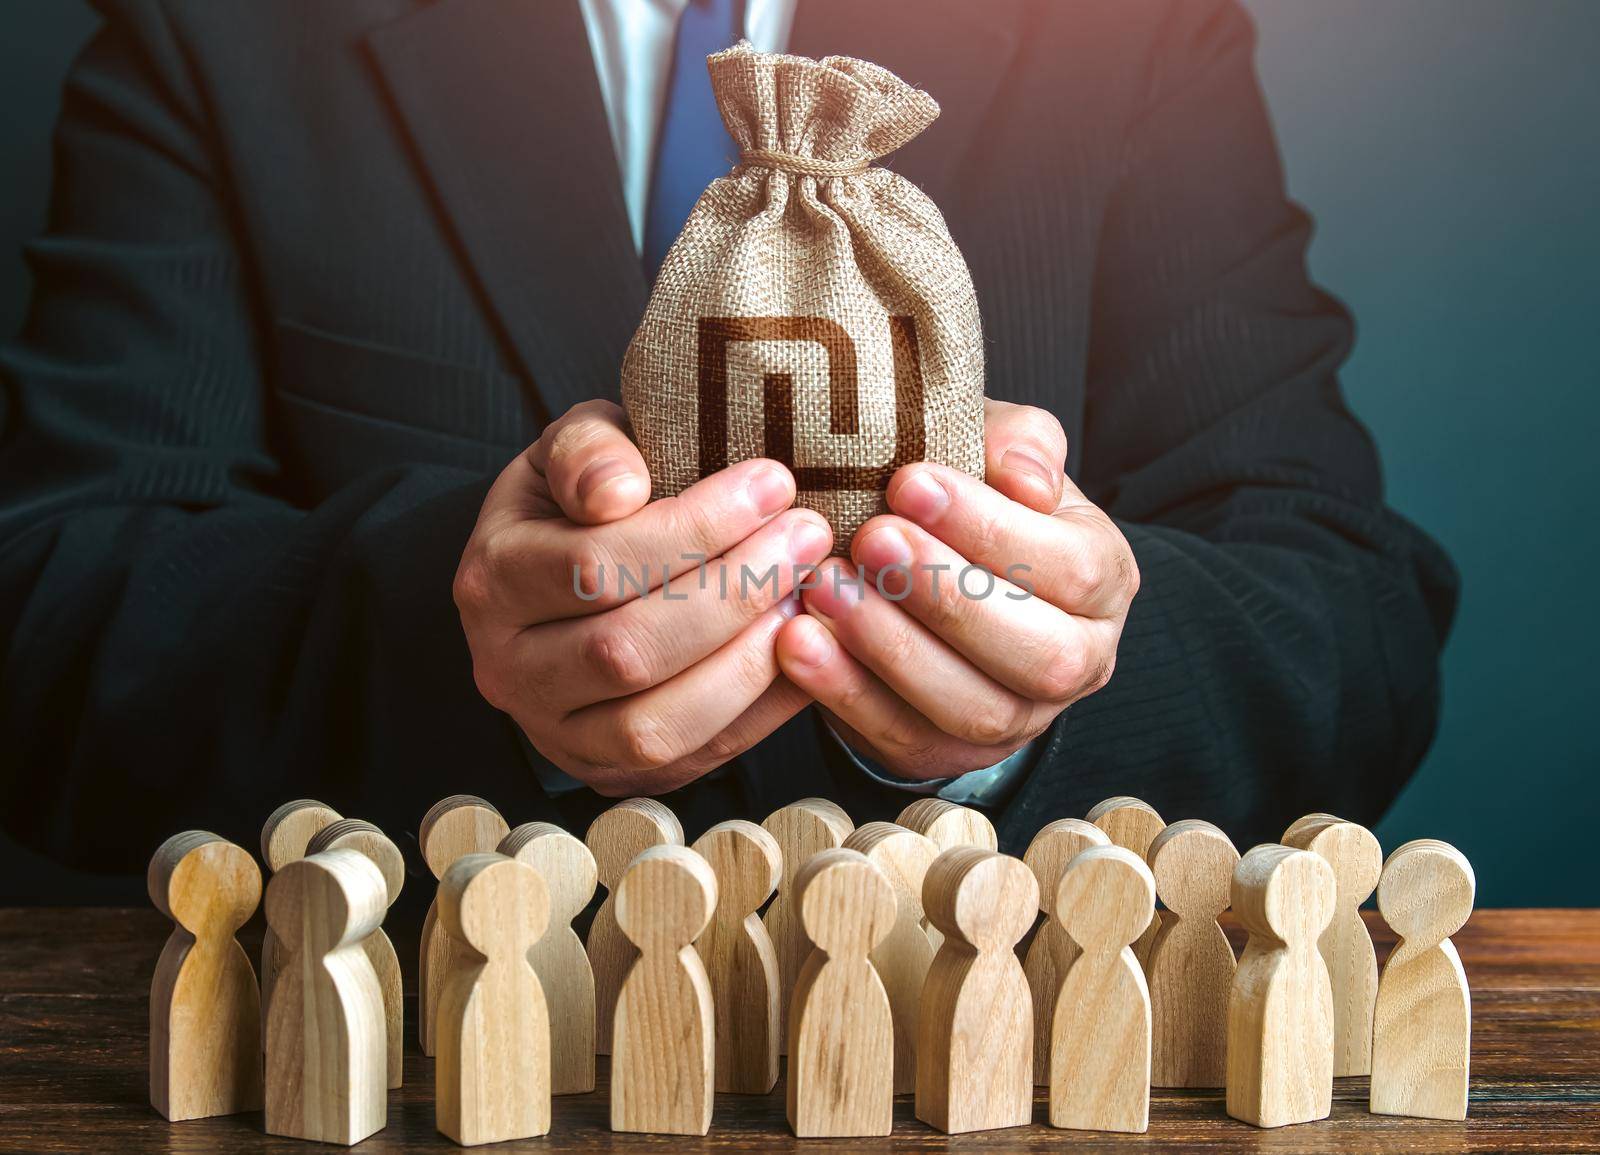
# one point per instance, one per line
(633, 694)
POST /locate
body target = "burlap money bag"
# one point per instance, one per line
(814, 309)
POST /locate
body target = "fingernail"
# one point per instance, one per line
(883, 548)
(809, 541)
(922, 497)
(769, 490)
(813, 646)
(836, 593)
(1025, 462)
(600, 474)
(789, 607)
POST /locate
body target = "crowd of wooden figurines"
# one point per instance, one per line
(888, 960)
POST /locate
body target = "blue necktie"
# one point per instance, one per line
(693, 148)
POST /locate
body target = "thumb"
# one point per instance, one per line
(594, 471)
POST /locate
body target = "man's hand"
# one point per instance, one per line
(946, 674)
(633, 694)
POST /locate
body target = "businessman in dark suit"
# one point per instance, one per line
(317, 272)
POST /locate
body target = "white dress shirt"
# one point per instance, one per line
(632, 43)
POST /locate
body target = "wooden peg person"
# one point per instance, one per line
(1191, 964)
(947, 826)
(1422, 1042)
(558, 958)
(1353, 853)
(1100, 1029)
(1052, 950)
(284, 838)
(975, 1030)
(738, 955)
(841, 1057)
(326, 1063)
(616, 838)
(662, 1065)
(205, 1008)
(1280, 1011)
(492, 1078)
(456, 826)
(1132, 824)
(803, 829)
(361, 836)
(903, 957)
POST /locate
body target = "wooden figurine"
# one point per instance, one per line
(1422, 1045)
(1052, 950)
(615, 839)
(738, 955)
(1134, 825)
(1280, 1011)
(326, 1063)
(558, 958)
(975, 1031)
(663, 1064)
(1191, 963)
(803, 829)
(903, 957)
(492, 1077)
(455, 826)
(841, 1056)
(1100, 1031)
(376, 845)
(947, 826)
(1353, 853)
(205, 1008)
(284, 838)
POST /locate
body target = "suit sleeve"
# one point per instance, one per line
(1282, 655)
(184, 643)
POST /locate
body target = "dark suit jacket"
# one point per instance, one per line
(317, 269)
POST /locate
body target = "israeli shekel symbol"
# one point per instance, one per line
(778, 416)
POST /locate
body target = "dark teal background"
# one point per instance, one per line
(1450, 152)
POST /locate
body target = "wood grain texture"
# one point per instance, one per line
(903, 957)
(285, 835)
(1280, 1011)
(1191, 964)
(73, 1017)
(1100, 1029)
(1353, 853)
(1052, 950)
(803, 829)
(1132, 824)
(738, 955)
(492, 1074)
(558, 958)
(205, 1007)
(664, 1034)
(948, 826)
(453, 827)
(326, 1066)
(975, 1030)
(355, 834)
(615, 839)
(841, 1065)
(1422, 1045)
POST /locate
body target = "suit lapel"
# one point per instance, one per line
(500, 99)
(957, 50)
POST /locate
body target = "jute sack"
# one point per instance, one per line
(814, 309)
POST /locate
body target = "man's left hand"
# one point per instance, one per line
(925, 666)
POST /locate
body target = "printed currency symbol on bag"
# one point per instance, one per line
(815, 308)
(778, 401)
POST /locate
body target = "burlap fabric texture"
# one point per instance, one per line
(815, 308)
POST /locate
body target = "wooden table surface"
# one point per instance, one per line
(74, 986)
